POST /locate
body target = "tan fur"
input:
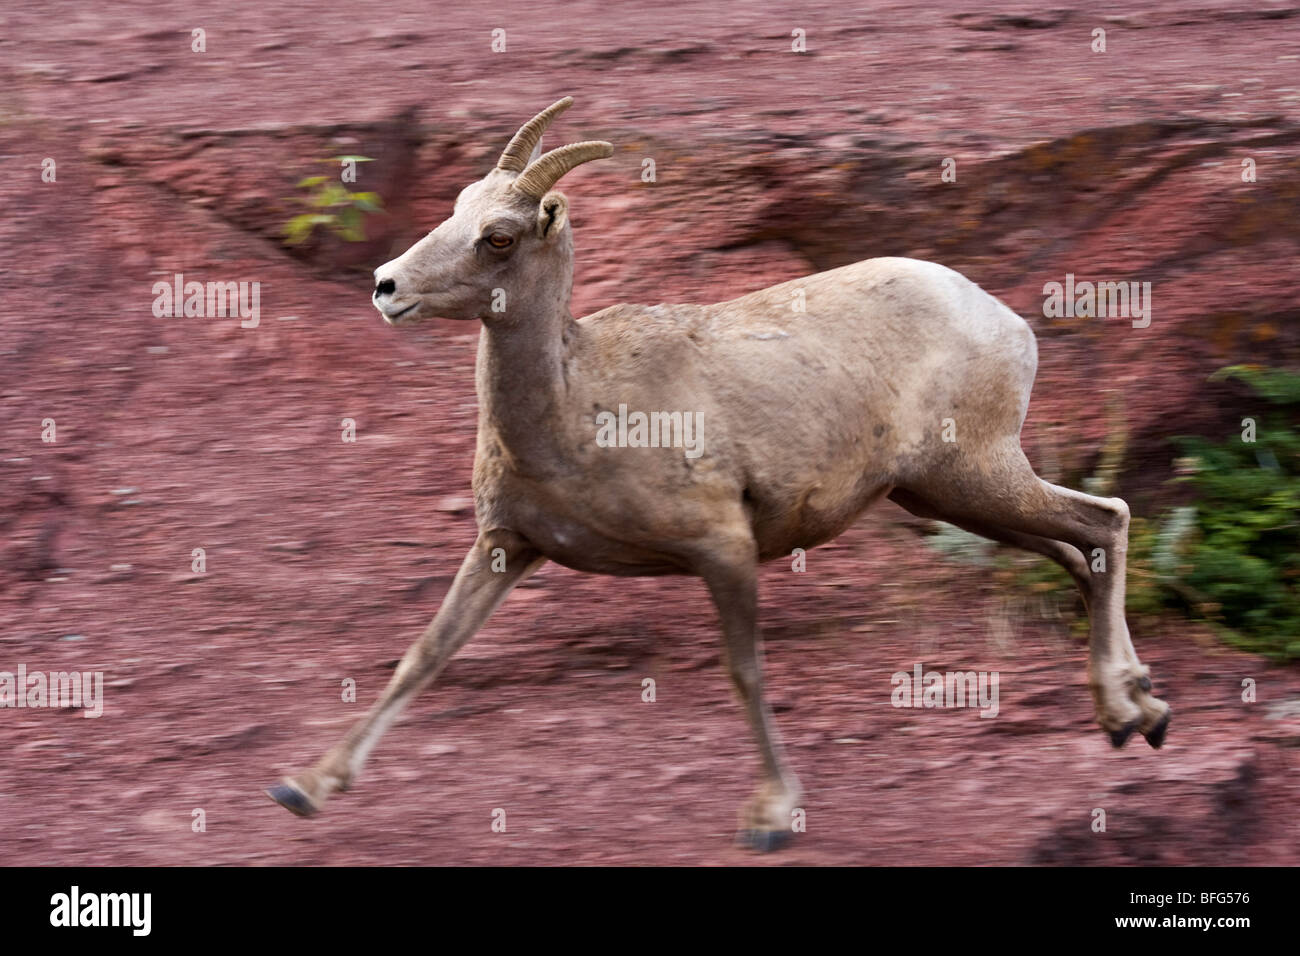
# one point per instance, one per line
(808, 417)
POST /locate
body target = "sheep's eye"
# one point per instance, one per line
(499, 240)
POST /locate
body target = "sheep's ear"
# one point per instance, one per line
(552, 214)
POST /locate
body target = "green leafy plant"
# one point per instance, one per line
(1232, 557)
(1244, 561)
(333, 206)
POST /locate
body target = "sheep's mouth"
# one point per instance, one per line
(392, 317)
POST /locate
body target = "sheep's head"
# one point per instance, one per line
(507, 233)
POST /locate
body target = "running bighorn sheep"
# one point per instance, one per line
(883, 351)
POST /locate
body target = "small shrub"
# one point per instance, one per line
(1245, 555)
(334, 207)
(1232, 557)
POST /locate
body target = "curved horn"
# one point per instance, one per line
(516, 155)
(545, 171)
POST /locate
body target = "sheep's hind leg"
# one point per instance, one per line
(1067, 556)
(1000, 497)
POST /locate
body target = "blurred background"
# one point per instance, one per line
(755, 143)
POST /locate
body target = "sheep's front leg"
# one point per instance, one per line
(495, 564)
(731, 572)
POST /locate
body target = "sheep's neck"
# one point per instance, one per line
(520, 374)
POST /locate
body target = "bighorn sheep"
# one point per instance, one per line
(884, 351)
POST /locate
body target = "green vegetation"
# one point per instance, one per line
(1243, 562)
(333, 206)
(1232, 557)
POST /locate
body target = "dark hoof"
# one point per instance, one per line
(1144, 683)
(1118, 738)
(1156, 735)
(764, 841)
(291, 798)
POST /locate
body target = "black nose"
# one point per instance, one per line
(385, 287)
